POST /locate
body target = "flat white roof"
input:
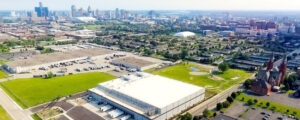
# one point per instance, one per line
(155, 90)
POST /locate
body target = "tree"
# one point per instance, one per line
(49, 75)
(289, 81)
(250, 102)
(247, 83)
(255, 101)
(197, 117)
(268, 104)
(223, 66)
(230, 99)
(233, 95)
(219, 106)
(184, 53)
(215, 114)
(206, 113)
(186, 116)
(225, 104)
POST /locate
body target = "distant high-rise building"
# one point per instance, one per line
(89, 10)
(42, 11)
(297, 30)
(97, 13)
(117, 13)
(74, 11)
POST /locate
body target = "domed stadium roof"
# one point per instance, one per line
(184, 34)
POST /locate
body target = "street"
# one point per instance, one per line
(14, 110)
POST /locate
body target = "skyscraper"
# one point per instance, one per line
(117, 13)
(74, 11)
(42, 11)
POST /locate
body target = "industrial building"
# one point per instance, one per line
(144, 96)
(45, 60)
(134, 63)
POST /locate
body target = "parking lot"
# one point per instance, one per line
(262, 114)
(106, 111)
(74, 67)
(243, 112)
(93, 64)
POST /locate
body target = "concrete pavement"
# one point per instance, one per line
(12, 108)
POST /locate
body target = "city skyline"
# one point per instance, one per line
(288, 5)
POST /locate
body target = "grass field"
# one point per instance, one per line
(273, 105)
(2, 74)
(4, 115)
(3, 61)
(36, 117)
(214, 83)
(33, 91)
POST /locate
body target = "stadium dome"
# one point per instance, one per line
(184, 34)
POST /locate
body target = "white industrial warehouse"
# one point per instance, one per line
(145, 96)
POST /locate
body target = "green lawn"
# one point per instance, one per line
(214, 83)
(36, 117)
(4, 115)
(273, 105)
(2, 74)
(33, 91)
(3, 61)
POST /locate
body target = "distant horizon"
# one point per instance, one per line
(161, 5)
(208, 10)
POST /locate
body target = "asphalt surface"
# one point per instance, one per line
(14, 110)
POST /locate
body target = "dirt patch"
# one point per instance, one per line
(235, 78)
(208, 86)
(215, 77)
(198, 73)
(48, 113)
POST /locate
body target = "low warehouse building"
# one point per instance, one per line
(132, 62)
(145, 96)
(44, 60)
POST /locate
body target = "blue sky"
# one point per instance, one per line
(156, 4)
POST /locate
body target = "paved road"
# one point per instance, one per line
(212, 102)
(15, 111)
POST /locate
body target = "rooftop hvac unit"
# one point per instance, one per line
(125, 78)
(139, 74)
(151, 112)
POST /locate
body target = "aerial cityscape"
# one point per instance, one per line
(150, 60)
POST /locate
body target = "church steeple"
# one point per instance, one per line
(270, 63)
(282, 69)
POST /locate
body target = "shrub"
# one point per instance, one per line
(230, 99)
(268, 104)
(233, 95)
(255, 101)
(206, 113)
(250, 102)
(225, 104)
(219, 106)
(186, 116)
(197, 117)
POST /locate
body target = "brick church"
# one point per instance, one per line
(269, 78)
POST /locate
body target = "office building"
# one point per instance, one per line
(42, 11)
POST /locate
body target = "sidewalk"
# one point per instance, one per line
(12, 108)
